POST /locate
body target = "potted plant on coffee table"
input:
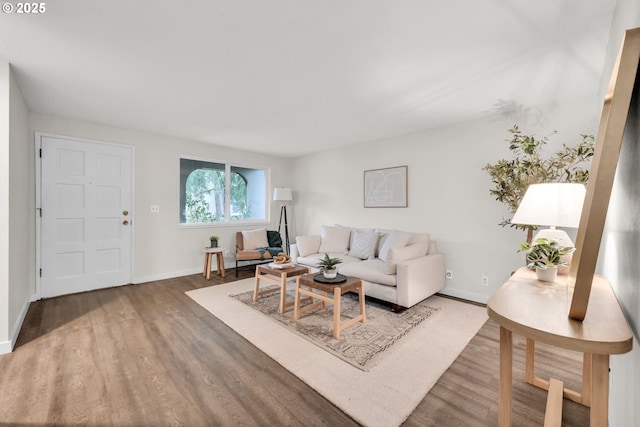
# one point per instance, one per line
(328, 266)
(544, 256)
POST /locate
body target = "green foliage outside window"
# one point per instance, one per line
(205, 192)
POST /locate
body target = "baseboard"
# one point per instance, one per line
(7, 346)
(469, 296)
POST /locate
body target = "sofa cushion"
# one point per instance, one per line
(308, 245)
(253, 239)
(420, 238)
(405, 253)
(334, 239)
(363, 243)
(371, 270)
(395, 239)
(312, 260)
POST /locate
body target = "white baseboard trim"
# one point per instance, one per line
(7, 346)
(469, 296)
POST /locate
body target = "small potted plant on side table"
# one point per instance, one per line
(328, 266)
(214, 241)
(544, 255)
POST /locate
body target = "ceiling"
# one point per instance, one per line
(299, 76)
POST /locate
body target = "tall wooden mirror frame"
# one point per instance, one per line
(608, 144)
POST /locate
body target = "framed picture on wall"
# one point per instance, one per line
(385, 188)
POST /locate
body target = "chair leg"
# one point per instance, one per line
(236, 269)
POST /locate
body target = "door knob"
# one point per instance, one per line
(125, 213)
(125, 222)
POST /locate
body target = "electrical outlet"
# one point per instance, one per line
(155, 208)
(448, 275)
(484, 280)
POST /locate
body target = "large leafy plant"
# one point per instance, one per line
(512, 177)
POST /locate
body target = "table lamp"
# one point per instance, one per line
(282, 194)
(553, 205)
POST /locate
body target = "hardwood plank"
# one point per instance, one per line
(148, 355)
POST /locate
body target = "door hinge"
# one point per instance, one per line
(41, 153)
(40, 272)
(40, 211)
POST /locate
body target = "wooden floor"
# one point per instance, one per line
(147, 355)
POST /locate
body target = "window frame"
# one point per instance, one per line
(228, 165)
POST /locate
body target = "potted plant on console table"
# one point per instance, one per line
(544, 255)
(328, 266)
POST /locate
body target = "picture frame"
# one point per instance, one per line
(386, 187)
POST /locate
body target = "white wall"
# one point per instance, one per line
(162, 248)
(4, 206)
(16, 231)
(21, 211)
(620, 249)
(448, 190)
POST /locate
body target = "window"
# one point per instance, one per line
(213, 192)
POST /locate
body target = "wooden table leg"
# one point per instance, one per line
(361, 301)
(506, 373)
(586, 379)
(529, 371)
(296, 300)
(209, 262)
(336, 312)
(204, 269)
(283, 292)
(220, 259)
(256, 287)
(599, 390)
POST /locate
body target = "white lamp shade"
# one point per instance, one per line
(551, 204)
(282, 194)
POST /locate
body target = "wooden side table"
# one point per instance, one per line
(539, 312)
(335, 290)
(277, 276)
(208, 261)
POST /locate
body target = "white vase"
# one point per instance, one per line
(548, 275)
(330, 274)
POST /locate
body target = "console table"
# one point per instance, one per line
(539, 311)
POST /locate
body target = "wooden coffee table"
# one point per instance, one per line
(330, 293)
(277, 276)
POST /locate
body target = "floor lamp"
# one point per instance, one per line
(283, 195)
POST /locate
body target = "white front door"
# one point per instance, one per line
(86, 208)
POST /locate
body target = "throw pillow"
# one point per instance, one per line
(396, 239)
(363, 243)
(254, 239)
(405, 253)
(334, 239)
(308, 245)
(274, 239)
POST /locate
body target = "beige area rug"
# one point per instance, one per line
(384, 396)
(362, 344)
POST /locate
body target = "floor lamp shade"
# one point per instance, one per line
(283, 194)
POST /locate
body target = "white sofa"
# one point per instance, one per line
(399, 267)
